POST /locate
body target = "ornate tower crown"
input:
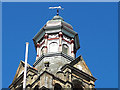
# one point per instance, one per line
(56, 36)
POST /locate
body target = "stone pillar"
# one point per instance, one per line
(46, 41)
(38, 54)
(72, 48)
(60, 41)
(91, 85)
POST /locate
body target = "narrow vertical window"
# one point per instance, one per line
(65, 48)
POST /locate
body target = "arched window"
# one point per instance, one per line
(42, 50)
(36, 87)
(65, 48)
(53, 47)
(57, 87)
(77, 85)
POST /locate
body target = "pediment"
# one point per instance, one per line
(20, 70)
(80, 64)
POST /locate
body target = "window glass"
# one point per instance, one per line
(53, 47)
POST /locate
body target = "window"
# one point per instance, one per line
(65, 48)
(77, 85)
(42, 50)
(53, 47)
(57, 87)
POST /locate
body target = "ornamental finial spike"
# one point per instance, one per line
(59, 7)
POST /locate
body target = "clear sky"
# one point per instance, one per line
(96, 24)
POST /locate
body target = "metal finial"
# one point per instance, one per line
(57, 11)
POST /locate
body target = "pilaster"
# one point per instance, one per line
(72, 48)
(46, 41)
(38, 48)
(60, 41)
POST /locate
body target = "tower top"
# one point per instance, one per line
(55, 26)
(59, 7)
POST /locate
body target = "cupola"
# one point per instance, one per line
(56, 36)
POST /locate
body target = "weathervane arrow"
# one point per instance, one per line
(59, 7)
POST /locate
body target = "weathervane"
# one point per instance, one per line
(59, 7)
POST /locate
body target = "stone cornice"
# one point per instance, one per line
(53, 54)
(13, 83)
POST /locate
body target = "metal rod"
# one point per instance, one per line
(57, 11)
(25, 69)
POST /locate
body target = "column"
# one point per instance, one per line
(72, 48)
(60, 41)
(46, 41)
(38, 54)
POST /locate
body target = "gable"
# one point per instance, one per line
(20, 70)
(80, 64)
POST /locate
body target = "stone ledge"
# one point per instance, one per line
(53, 54)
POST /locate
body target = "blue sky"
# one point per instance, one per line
(96, 24)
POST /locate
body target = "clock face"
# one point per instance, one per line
(79, 67)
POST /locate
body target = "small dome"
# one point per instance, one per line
(57, 17)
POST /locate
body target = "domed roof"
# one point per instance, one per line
(57, 17)
(57, 24)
